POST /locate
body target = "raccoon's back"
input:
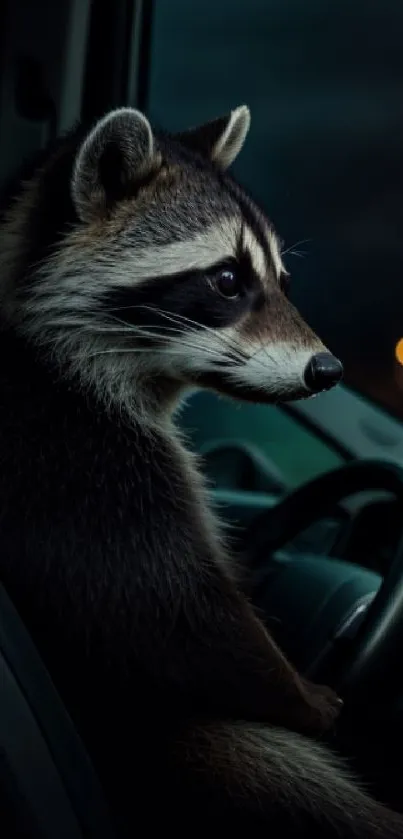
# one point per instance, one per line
(91, 511)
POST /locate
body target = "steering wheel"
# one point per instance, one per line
(373, 659)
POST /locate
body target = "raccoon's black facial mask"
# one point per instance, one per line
(218, 297)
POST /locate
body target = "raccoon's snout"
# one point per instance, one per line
(322, 372)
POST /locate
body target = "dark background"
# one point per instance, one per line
(324, 81)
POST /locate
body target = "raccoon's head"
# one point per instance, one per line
(164, 272)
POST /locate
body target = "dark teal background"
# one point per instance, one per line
(324, 81)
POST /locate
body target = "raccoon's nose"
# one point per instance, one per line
(322, 372)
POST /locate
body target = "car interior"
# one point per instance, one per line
(311, 492)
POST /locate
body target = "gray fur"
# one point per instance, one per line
(271, 765)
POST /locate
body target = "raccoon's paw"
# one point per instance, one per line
(324, 706)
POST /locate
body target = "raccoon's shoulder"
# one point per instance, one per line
(112, 487)
(52, 426)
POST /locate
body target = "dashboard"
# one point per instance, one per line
(364, 530)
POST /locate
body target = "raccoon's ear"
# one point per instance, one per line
(115, 157)
(221, 139)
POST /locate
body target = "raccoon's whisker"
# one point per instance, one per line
(140, 330)
(145, 329)
(174, 318)
(291, 248)
(234, 354)
(183, 341)
(144, 332)
(173, 331)
(258, 360)
(177, 318)
(144, 350)
(297, 253)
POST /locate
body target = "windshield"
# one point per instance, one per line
(324, 82)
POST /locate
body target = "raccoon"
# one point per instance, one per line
(135, 268)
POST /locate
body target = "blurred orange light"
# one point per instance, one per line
(399, 351)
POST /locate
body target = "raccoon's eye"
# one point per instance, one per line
(228, 283)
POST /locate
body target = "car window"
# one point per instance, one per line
(298, 453)
(324, 82)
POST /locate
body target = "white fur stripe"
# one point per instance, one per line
(215, 244)
(275, 253)
(67, 284)
(258, 255)
(275, 368)
(132, 264)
